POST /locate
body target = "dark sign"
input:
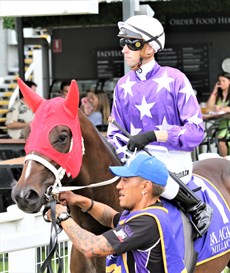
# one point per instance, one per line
(192, 60)
(84, 50)
(110, 63)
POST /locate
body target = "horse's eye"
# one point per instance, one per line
(62, 138)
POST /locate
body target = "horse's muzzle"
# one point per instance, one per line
(28, 200)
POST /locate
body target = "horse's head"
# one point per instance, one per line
(54, 146)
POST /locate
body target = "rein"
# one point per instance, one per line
(53, 244)
(59, 174)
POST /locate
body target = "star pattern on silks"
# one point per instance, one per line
(195, 119)
(127, 87)
(164, 125)
(144, 108)
(187, 90)
(134, 131)
(163, 82)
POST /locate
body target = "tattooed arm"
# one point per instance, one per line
(86, 242)
(101, 212)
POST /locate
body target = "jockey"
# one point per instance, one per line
(156, 105)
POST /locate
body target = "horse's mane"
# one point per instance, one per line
(86, 123)
(111, 147)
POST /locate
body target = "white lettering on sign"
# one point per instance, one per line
(109, 53)
(201, 21)
(181, 22)
(223, 20)
(205, 21)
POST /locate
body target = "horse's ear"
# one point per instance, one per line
(32, 99)
(71, 102)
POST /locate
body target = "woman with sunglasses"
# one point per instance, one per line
(156, 105)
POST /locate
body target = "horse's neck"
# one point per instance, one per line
(98, 155)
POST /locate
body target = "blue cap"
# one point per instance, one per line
(145, 166)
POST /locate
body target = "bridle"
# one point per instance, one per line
(58, 174)
(54, 190)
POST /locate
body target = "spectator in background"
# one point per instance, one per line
(64, 88)
(103, 106)
(96, 106)
(19, 115)
(219, 101)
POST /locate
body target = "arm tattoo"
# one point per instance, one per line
(106, 217)
(86, 242)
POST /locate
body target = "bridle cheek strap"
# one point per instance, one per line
(58, 173)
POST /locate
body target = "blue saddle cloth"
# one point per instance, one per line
(216, 241)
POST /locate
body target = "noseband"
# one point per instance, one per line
(58, 174)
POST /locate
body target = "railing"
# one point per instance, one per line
(23, 243)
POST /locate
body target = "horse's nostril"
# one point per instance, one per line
(28, 201)
(31, 195)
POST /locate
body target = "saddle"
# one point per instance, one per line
(214, 242)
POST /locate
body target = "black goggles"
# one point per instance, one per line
(132, 44)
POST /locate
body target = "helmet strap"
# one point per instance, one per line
(138, 65)
(143, 55)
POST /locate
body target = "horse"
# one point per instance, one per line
(74, 145)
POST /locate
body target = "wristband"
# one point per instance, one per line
(62, 217)
(91, 206)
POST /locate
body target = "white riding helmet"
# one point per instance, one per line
(143, 27)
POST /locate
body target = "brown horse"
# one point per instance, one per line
(51, 138)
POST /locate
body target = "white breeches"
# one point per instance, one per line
(178, 162)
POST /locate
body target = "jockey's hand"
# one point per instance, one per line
(141, 140)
